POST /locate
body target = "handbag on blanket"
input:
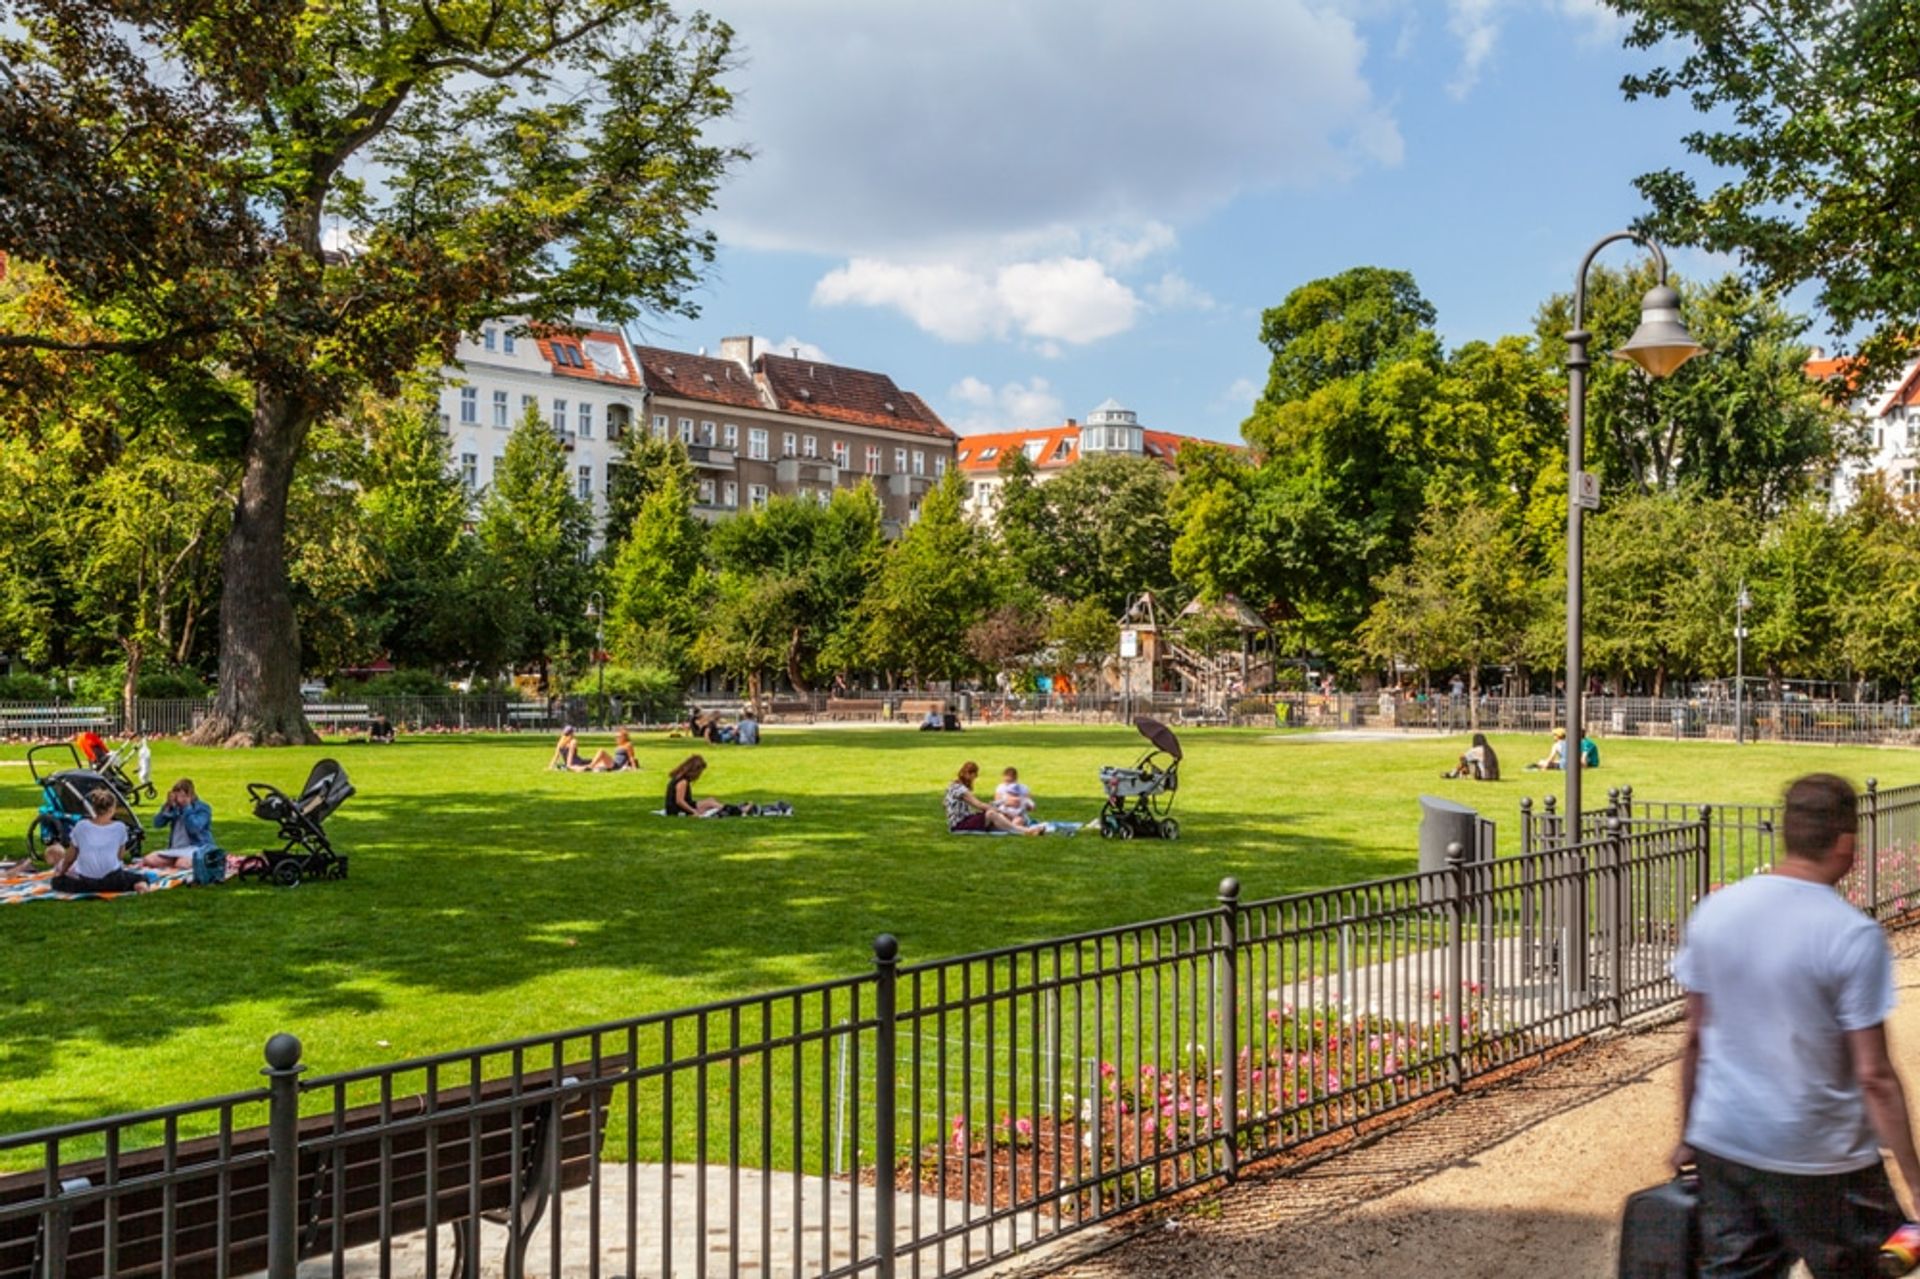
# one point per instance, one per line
(209, 866)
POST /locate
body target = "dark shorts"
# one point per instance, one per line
(972, 821)
(119, 881)
(1753, 1224)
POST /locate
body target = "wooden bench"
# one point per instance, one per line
(916, 708)
(52, 719)
(485, 1158)
(856, 707)
(336, 714)
(529, 716)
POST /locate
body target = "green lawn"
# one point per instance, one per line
(489, 898)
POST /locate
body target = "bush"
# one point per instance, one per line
(104, 684)
(173, 683)
(646, 692)
(401, 683)
(25, 688)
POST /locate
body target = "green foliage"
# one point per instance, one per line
(1463, 597)
(25, 688)
(398, 683)
(658, 582)
(1083, 634)
(651, 693)
(938, 579)
(1109, 534)
(533, 535)
(1025, 518)
(1808, 112)
(646, 463)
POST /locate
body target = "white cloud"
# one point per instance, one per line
(1239, 395)
(1476, 24)
(1055, 300)
(917, 132)
(1119, 250)
(793, 346)
(1175, 292)
(1014, 406)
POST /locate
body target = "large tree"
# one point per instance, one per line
(1809, 114)
(533, 532)
(322, 198)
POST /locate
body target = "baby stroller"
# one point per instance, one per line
(114, 768)
(65, 787)
(305, 852)
(1140, 798)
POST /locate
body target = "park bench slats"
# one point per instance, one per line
(343, 1154)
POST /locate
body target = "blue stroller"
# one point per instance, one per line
(66, 790)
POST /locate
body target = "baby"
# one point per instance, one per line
(1011, 796)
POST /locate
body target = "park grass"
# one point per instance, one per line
(491, 899)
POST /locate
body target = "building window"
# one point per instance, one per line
(486, 339)
(840, 455)
(586, 484)
(757, 494)
(560, 416)
(873, 459)
(660, 426)
(686, 430)
(706, 492)
(939, 468)
(810, 447)
(987, 454)
(1910, 482)
(583, 420)
(498, 461)
(506, 343)
(617, 415)
(899, 461)
(528, 404)
(913, 511)
(470, 471)
(499, 408)
(731, 491)
(919, 462)
(706, 433)
(789, 445)
(731, 436)
(757, 444)
(469, 405)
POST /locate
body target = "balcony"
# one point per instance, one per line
(566, 438)
(790, 471)
(710, 457)
(908, 485)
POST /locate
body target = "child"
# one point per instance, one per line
(1011, 796)
(91, 863)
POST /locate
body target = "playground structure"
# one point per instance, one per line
(1209, 653)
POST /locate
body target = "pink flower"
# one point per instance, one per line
(1106, 1070)
(1023, 1126)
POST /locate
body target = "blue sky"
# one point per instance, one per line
(1018, 208)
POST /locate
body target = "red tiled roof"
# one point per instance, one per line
(698, 377)
(1162, 446)
(554, 345)
(812, 389)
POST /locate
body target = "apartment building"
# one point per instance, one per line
(1110, 429)
(1887, 419)
(759, 423)
(586, 386)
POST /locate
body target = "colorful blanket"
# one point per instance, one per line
(38, 886)
(1053, 828)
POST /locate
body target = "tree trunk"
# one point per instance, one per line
(258, 703)
(796, 676)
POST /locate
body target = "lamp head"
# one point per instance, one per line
(1661, 344)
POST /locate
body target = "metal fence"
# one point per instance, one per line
(919, 1119)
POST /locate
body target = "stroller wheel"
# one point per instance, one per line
(286, 874)
(1169, 828)
(1123, 830)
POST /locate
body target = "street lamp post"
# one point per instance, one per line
(1660, 345)
(597, 610)
(1741, 603)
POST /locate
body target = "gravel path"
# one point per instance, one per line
(1524, 1178)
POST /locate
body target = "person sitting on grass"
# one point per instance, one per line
(931, 724)
(950, 722)
(91, 861)
(191, 820)
(618, 760)
(1589, 752)
(747, 731)
(380, 731)
(1479, 762)
(1012, 797)
(680, 797)
(1556, 759)
(566, 752)
(968, 812)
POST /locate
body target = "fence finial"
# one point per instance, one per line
(886, 948)
(283, 1055)
(1456, 853)
(1229, 890)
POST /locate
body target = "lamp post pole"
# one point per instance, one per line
(1741, 603)
(597, 610)
(1660, 345)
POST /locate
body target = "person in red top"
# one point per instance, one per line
(90, 745)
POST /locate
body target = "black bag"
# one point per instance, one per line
(1660, 1230)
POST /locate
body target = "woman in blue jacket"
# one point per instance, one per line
(192, 823)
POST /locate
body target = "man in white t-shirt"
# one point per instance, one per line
(1788, 1094)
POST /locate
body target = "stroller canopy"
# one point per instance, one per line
(1159, 734)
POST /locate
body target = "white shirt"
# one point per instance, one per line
(1786, 968)
(1013, 796)
(98, 849)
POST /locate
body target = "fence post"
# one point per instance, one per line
(283, 1071)
(1703, 859)
(886, 960)
(1873, 846)
(1456, 953)
(1526, 825)
(1553, 826)
(1618, 896)
(1230, 1015)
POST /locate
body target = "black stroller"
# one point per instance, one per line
(306, 853)
(1149, 785)
(65, 797)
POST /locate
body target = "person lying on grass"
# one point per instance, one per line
(91, 862)
(191, 820)
(968, 812)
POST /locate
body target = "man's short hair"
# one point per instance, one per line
(1820, 808)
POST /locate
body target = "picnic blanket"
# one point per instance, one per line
(38, 887)
(786, 811)
(1053, 828)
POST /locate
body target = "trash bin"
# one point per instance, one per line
(1444, 822)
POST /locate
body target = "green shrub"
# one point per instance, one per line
(99, 684)
(645, 692)
(25, 688)
(401, 683)
(171, 683)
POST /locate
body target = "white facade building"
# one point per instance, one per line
(1888, 436)
(587, 388)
